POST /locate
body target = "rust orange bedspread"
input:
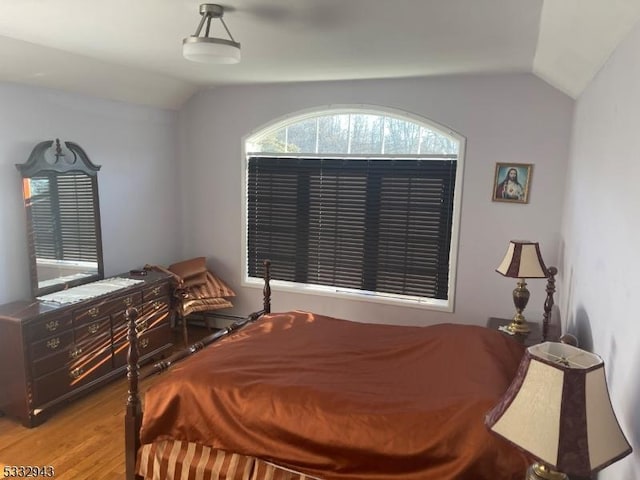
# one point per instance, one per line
(343, 400)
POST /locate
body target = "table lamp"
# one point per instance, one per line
(558, 410)
(522, 260)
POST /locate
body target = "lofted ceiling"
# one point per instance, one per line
(130, 50)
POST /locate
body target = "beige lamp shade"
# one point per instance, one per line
(558, 409)
(523, 260)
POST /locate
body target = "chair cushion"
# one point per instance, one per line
(214, 287)
(217, 287)
(202, 305)
(192, 271)
(195, 280)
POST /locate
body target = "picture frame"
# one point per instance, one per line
(515, 190)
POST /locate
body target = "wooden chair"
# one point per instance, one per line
(196, 289)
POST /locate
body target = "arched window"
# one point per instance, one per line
(355, 201)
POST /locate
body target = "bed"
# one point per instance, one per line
(296, 396)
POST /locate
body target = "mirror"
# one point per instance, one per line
(60, 190)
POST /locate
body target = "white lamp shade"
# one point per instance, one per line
(558, 409)
(523, 260)
(210, 50)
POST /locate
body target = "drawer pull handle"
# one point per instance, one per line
(53, 343)
(93, 328)
(156, 290)
(76, 372)
(157, 305)
(142, 325)
(52, 326)
(144, 343)
(127, 301)
(75, 353)
(93, 312)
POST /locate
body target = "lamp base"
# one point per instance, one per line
(520, 300)
(539, 471)
(518, 324)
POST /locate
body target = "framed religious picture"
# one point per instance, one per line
(511, 182)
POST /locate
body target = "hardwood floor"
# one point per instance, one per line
(82, 440)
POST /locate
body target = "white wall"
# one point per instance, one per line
(601, 234)
(139, 198)
(505, 118)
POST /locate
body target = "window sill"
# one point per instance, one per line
(346, 294)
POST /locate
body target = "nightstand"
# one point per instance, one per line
(528, 339)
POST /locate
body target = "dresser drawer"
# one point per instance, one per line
(52, 362)
(119, 318)
(126, 301)
(156, 291)
(156, 312)
(160, 304)
(54, 344)
(46, 327)
(89, 346)
(73, 352)
(154, 338)
(119, 332)
(150, 315)
(87, 331)
(148, 342)
(106, 308)
(70, 377)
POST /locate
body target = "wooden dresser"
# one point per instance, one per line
(50, 354)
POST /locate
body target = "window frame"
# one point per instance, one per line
(342, 293)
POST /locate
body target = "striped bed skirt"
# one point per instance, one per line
(178, 460)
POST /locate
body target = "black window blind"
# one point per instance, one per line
(378, 225)
(63, 217)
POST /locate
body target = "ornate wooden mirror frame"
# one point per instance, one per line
(60, 191)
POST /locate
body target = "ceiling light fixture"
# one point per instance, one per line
(208, 49)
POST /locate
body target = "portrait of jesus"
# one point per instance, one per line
(512, 182)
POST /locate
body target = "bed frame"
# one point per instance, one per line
(133, 416)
